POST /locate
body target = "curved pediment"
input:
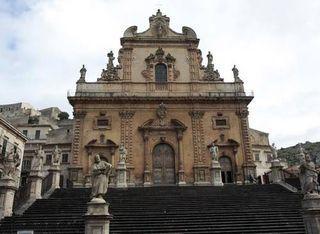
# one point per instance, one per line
(159, 29)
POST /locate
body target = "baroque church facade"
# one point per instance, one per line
(166, 107)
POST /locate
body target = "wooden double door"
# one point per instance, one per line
(163, 165)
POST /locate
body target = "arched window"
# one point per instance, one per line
(161, 73)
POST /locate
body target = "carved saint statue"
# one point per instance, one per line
(100, 177)
(214, 152)
(123, 153)
(37, 160)
(308, 174)
(274, 151)
(210, 58)
(235, 72)
(56, 155)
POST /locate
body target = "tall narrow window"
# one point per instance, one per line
(37, 136)
(161, 73)
(4, 147)
(25, 132)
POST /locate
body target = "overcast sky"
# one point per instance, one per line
(275, 44)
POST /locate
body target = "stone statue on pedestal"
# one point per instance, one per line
(214, 152)
(274, 152)
(56, 156)
(123, 154)
(100, 177)
(37, 160)
(10, 163)
(308, 174)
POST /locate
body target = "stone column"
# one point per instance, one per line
(276, 171)
(181, 159)
(216, 179)
(35, 179)
(55, 172)
(122, 175)
(8, 187)
(146, 173)
(311, 213)
(97, 218)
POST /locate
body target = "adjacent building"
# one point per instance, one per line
(262, 154)
(11, 140)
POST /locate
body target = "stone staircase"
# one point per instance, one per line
(228, 209)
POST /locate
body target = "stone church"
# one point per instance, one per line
(166, 106)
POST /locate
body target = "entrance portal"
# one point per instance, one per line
(226, 169)
(163, 165)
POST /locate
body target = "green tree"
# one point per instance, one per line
(63, 115)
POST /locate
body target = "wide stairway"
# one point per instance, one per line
(228, 209)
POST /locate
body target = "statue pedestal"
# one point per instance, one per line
(55, 172)
(276, 171)
(8, 187)
(146, 178)
(35, 179)
(311, 213)
(97, 218)
(182, 181)
(216, 179)
(122, 175)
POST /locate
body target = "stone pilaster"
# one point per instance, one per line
(8, 187)
(35, 179)
(181, 159)
(311, 213)
(126, 117)
(201, 169)
(194, 63)
(77, 136)
(126, 61)
(146, 173)
(97, 218)
(249, 168)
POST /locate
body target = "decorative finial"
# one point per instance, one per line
(159, 13)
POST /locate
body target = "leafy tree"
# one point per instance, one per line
(292, 153)
(63, 115)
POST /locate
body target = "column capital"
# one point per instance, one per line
(242, 113)
(126, 114)
(79, 114)
(196, 114)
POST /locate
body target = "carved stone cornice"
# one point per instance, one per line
(196, 114)
(126, 114)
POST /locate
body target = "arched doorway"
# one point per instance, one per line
(163, 164)
(226, 169)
